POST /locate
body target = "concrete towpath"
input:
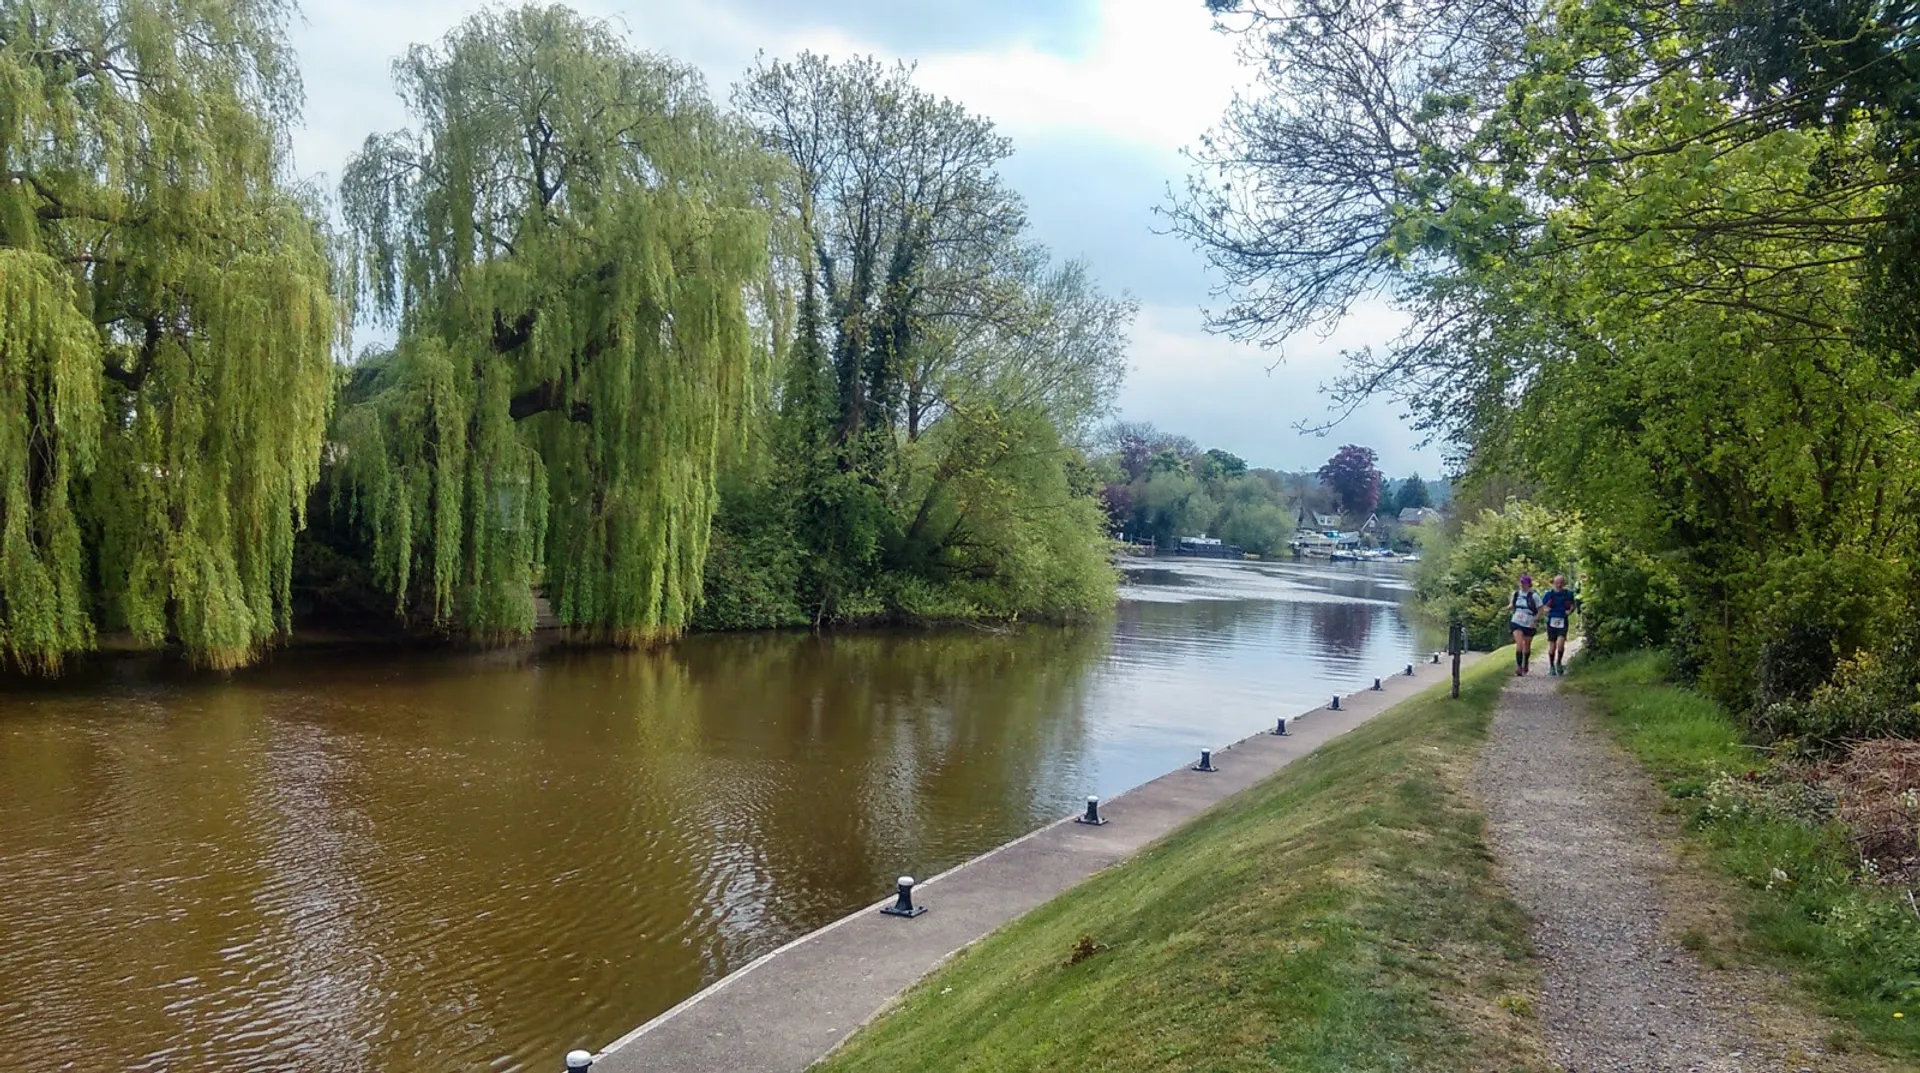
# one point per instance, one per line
(785, 1011)
(1584, 849)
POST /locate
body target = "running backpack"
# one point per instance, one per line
(1526, 608)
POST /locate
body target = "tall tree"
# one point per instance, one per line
(1218, 465)
(936, 352)
(1353, 476)
(570, 240)
(1412, 494)
(166, 324)
(1661, 262)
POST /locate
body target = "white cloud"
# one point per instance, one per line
(1154, 73)
(1234, 396)
(1146, 77)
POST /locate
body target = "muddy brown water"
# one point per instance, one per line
(352, 863)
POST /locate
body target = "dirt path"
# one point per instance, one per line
(1577, 829)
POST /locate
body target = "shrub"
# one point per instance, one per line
(1628, 600)
(1869, 695)
(1471, 577)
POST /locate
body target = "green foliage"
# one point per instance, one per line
(1252, 516)
(1169, 497)
(1217, 465)
(166, 325)
(1628, 599)
(1661, 269)
(1471, 578)
(1411, 494)
(1807, 902)
(921, 460)
(1169, 504)
(1868, 695)
(49, 432)
(570, 240)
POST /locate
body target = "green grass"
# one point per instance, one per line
(1341, 916)
(1856, 950)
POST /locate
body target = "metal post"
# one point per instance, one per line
(1335, 706)
(1456, 643)
(1281, 729)
(577, 1061)
(1376, 685)
(903, 905)
(1206, 761)
(1092, 817)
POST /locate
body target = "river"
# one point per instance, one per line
(350, 863)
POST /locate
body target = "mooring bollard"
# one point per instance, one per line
(1206, 761)
(578, 1060)
(903, 905)
(1376, 685)
(1335, 706)
(1435, 658)
(1409, 670)
(1092, 818)
(1280, 730)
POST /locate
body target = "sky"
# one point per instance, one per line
(1098, 97)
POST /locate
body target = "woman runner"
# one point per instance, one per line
(1526, 611)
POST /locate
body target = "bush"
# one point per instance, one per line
(1628, 600)
(1794, 619)
(1470, 578)
(1870, 695)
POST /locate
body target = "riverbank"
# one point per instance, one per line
(1778, 885)
(1309, 858)
(1343, 914)
(787, 1010)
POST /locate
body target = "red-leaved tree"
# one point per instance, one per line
(1353, 477)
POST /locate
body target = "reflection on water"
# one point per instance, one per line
(427, 864)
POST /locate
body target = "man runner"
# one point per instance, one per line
(1525, 606)
(1560, 603)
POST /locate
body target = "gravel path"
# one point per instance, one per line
(1581, 847)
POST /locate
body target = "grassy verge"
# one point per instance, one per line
(1341, 916)
(1856, 948)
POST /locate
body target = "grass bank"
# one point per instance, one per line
(1342, 916)
(1805, 905)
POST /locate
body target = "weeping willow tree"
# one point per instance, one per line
(165, 327)
(570, 240)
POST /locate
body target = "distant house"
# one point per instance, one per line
(1327, 523)
(1419, 516)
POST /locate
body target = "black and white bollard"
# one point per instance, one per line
(1335, 706)
(903, 905)
(1409, 670)
(1093, 817)
(1435, 658)
(1280, 728)
(1376, 685)
(1206, 761)
(577, 1061)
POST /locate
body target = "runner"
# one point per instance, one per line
(1526, 610)
(1560, 603)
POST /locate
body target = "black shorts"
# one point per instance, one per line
(1528, 630)
(1556, 633)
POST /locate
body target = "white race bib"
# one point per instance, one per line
(1522, 617)
(1556, 624)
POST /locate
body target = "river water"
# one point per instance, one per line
(352, 864)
